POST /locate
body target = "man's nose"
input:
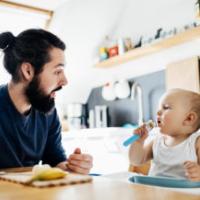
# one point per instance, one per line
(63, 80)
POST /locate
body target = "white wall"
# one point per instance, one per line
(84, 24)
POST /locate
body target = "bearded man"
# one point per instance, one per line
(30, 130)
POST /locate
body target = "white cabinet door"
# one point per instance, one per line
(184, 74)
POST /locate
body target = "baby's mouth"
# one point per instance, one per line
(158, 122)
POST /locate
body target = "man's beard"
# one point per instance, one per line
(37, 97)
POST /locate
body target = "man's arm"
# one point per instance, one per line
(54, 152)
(55, 155)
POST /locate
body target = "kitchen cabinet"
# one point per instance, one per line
(156, 47)
(184, 74)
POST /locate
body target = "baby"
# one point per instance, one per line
(175, 149)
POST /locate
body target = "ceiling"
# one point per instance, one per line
(44, 4)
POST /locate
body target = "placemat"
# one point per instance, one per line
(24, 177)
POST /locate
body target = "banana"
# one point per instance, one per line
(47, 174)
(38, 169)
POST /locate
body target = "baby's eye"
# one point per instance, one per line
(166, 107)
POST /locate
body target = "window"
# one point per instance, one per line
(19, 18)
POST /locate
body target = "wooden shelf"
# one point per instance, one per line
(156, 47)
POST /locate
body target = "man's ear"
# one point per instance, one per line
(190, 118)
(27, 71)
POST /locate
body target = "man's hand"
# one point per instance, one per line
(192, 170)
(79, 163)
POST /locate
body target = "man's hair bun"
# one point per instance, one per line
(6, 40)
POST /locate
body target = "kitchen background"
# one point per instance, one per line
(125, 111)
(93, 30)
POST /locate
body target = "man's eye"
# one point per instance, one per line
(57, 72)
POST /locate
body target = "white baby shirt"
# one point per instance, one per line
(168, 161)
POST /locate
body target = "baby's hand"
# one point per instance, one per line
(142, 132)
(192, 170)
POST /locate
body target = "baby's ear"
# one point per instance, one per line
(190, 119)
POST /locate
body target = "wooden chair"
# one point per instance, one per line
(143, 169)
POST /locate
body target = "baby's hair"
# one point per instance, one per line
(195, 106)
(194, 99)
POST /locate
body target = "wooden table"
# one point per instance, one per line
(101, 188)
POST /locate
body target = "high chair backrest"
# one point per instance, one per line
(143, 169)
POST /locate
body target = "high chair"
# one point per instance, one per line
(143, 169)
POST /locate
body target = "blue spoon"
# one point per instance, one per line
(149, 125)
(131, 140)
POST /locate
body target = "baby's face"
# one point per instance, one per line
(172, 111)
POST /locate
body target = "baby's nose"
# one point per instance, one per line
(159, 112)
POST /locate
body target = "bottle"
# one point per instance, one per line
(149, 126)
(121, 48)
(91, 119)
(103, 53)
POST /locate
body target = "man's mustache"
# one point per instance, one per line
(58, 88)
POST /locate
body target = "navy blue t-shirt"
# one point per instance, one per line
(25, 140)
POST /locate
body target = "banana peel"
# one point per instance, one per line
(48, 174)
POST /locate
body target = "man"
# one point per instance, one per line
(29, 125)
